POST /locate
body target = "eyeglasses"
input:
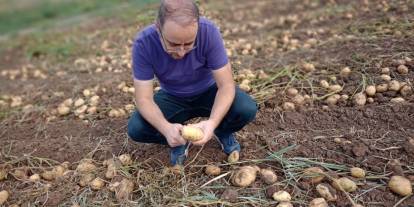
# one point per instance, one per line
(178, 48)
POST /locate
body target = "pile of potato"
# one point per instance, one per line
(11, 101)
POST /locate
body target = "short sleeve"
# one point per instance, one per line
(216, 53)
(142, 68)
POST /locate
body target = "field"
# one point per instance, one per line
(351, 63)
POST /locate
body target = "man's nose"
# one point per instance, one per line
(181, 52)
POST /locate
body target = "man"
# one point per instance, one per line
(187, 56)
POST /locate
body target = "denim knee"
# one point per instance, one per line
(136, 127)
(246, 110)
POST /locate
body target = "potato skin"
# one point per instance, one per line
(192, 133)
(400, 185)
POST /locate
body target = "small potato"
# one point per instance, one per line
(313, 175)
(124, 190)
(125, 159)
(268, 176)
(282, 196)
(345, 183)
(370, 100)
(397, 100)
(20, 173)
(34, 178)
(308, 67)
(385, 77)
(245, 87)
(192, 133)
(406, 90)
(394, 85)
(233, 157)
(92, 110)
(97, 184)
(244, 176)
(79, 102)
(298, 100)
(325, 192)
(360, 99)
(212, 170)
(357, 172)
(332, 100)
(86, 166)
(385, 71)
(87, 92)
(48, 175)
(402, 69)
(289, 106)
(4, 195)
(335, 88)
(324, 84)
(400, 185)
(81, 110)
(63, 110)
(68, 102)
(370, 90)
(318, 202)
(3, 174)
(345, 72)
(111, 170)
(381, 88)
(292, 92)
(94, 100)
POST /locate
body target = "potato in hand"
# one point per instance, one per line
(192, 134)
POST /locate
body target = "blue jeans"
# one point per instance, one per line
(178, 110)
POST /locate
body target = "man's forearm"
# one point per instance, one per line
(224, 99)
(152, 113)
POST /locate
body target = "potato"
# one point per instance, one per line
(81, 110)
(400, 185)
(113, 186)
(292, 92)
(3, 174)
(360, 99)
(4, 195)
(245, 82)
(345, 72)
(324, 84)
(92, 110)
(298, 100)
(406, 90)
(48, 175)
(385, 77)
(289, 106)
(192, 134)
(370, 100)
(68, 102)
(370, 90)
(114, 113)
(345, 183)
(344, 97)
(87, 92)
(59, 170)
(244, 176)
(245, 87)
(79, 102)
(233, 157)
(397, 100)
(268, 176)
(86, 166)
(308, 67)
(63, 110)
(335, 88)
(34, 178)
(332, 100)
(385, 71)
(318, 202)
(284, 204)
(97, 184)
(282, 196)
(20, 173)
(394, 85)
(124, 190)
(381, 88)
(402, 69)
(111, 170)
(125, 159)
(94, 100)
(313, 175)
(212, 170)
(325, 192)
(357, 172)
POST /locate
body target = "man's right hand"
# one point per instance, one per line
(173, 135)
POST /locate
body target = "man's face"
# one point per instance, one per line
(178, 40)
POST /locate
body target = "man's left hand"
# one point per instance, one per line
(208, 128)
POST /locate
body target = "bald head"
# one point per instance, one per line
(182, 12)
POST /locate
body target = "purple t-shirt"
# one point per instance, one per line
(188, 76)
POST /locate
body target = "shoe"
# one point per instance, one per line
(229, 143)
(178, 155)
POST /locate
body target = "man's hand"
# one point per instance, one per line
(173, 135)
(208, 128)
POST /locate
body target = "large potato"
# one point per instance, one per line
(268, 176)
(313, 175)
(345, 183)
(192, 134)
(245, 176)
(400, 185)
